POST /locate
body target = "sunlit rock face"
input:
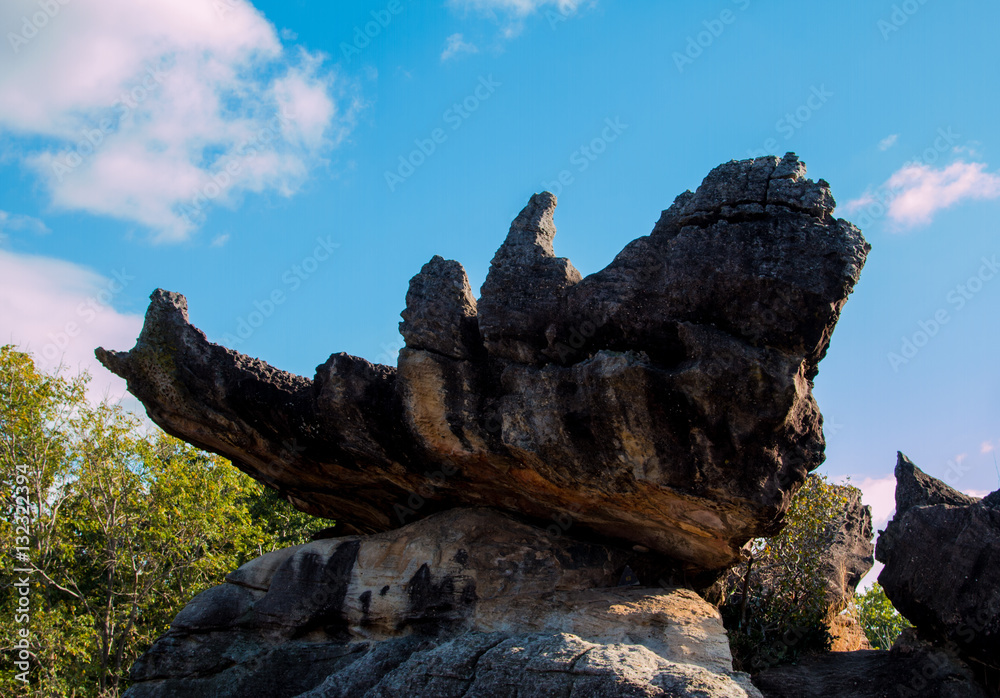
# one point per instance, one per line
(664, 401)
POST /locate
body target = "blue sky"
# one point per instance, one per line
(319, 109)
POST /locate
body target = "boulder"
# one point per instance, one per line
(664, 401)
(919, 670)
(942, 563)
(469, 602)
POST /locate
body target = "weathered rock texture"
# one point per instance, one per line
(942, 563)
(846, 633)
(665, 400)
(910, 670)
(850, 554)
(465, 603)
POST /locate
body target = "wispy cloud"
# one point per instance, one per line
(149, 112)
(987, 447)
(456, 44)
(917, 191)
(888, 142)
(512, 13)
(19, 223)
(518, 7)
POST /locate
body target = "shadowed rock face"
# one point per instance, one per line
(664, 401)
(922, 671)
(942, 564)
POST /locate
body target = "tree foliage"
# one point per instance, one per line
(118, 526)
(777, 605)
(881, 622)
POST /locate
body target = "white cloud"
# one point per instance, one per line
(220, 240)
(61, 312)
(986, 447)
(880, 494)
(141, 107)
(456, 44)
(916, 192)
(511, 13)
(17, 223)
(518, 7)
(888, 142)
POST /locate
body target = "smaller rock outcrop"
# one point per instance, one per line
(850, 554)
(470, 602)
(942, 563)
(910, 670)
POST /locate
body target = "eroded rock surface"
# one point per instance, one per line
(850, 554)
(465, 603)
(665, 400)
(942, 563)
(916, 670)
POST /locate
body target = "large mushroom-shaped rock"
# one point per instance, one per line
(469, 602)
(942, 563)
(665, 401)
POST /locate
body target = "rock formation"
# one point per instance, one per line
(849, 556)
(909, 670)
(942, 564)
(664, 401)
(468, 602)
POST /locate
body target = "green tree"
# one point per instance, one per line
(119, 527)
(881, 622)
(776, 604)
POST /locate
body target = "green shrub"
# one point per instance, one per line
(776, 605)
(881, 622)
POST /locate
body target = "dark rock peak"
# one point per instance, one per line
(533, 228)
(526, 285)
(992, 500)
(915, 488)
(942, 564)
